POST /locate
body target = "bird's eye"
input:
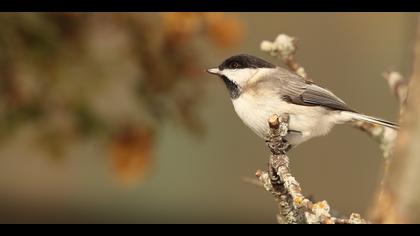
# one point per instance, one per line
(234, 65)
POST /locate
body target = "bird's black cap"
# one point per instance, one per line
(245, 61)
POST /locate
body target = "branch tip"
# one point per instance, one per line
(274, 122)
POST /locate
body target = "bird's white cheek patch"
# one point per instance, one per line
(239, 76)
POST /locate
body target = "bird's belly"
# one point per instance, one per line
(305, 122)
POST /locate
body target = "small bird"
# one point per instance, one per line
(259, 89)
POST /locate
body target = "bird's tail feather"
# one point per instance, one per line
(371, 119)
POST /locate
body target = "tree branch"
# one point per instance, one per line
(397, 85)
(285, 48)
(294, 207)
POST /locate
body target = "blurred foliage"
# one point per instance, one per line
(131, 153)
(115, 77)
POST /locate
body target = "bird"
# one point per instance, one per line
(258, 89)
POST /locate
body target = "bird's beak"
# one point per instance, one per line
(214, 71)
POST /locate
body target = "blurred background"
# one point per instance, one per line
(110, 118)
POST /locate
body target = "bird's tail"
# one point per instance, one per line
(374, 120)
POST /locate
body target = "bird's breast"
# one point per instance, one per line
(308, 121)
(256, 112)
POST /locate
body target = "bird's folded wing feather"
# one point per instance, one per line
(293, 88)
(315, 95)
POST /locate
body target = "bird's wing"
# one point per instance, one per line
(315, 95)
(294, 89)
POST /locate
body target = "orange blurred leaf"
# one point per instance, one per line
(131, 155)
(180, 26)
(224, 30)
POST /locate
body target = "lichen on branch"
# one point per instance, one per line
(294, 207)
(285, 48)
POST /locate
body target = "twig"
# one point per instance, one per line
(383, 135)
(294, 207)
(386, 137)
(397, 84)
(285, 47)
(252, 181)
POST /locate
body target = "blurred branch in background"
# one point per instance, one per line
(399, 201)
(285, 47)
(110, 77)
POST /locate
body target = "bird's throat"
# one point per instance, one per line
(234, 89)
